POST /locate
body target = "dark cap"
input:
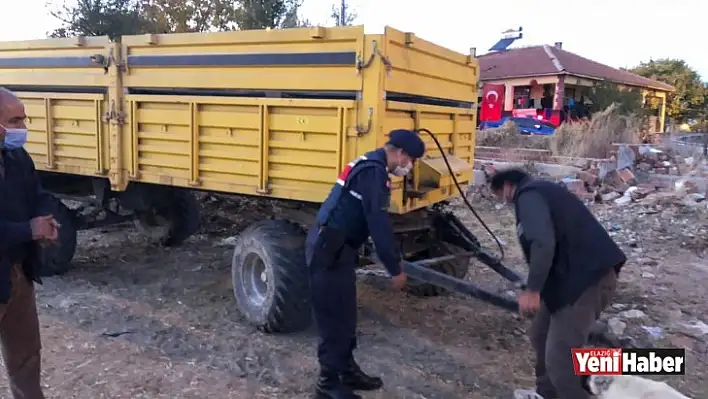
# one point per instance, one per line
(408, 141)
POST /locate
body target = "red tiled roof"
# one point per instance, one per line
(550, 60)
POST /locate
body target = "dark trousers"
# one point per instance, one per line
(19, 334)
(333, 290)
(553, 335)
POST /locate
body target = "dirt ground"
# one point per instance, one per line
(133, 320)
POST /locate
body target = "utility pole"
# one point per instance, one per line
(343, 13)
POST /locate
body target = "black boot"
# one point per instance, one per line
(357, 380)
(329, 386)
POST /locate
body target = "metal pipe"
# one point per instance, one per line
(423, 274)
(441, 259)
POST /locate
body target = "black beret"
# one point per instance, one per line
(408, 141)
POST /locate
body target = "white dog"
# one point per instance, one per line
(631, 387)
(619, 387)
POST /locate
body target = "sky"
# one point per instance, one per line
(618, 33)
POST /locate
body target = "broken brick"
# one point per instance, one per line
(626, 175)
(615, 180)
(640, 192)
(588, 177)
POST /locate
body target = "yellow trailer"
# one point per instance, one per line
(141, 121)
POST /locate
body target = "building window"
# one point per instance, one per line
(522, 97)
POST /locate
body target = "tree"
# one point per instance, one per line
(628, 100)
(689, 100)
(342, 15)
(293, 20)
(701, 121)
(99, 17)
(261, 14)
(116, 18)
(177, 16)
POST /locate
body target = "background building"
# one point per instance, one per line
(549, 82)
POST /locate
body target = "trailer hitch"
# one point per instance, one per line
(450, 229)
(421, 273)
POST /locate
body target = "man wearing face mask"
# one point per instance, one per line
(356, 207)
(25, 221)
(573, 268)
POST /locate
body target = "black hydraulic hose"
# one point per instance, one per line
(459, 189)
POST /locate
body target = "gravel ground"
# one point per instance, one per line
(133, 320)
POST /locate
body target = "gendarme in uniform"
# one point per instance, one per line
(357, 206)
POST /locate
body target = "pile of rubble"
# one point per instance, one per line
(634, 174)
(649, 159)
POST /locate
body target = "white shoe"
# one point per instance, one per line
(526, 394)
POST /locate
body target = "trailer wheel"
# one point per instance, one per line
(270, 278)
(56, 258)
(172, 219)
(457, 268)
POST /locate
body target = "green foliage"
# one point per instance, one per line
(260, 14)
(179, 16)
(690, 99)
(629, 101)
(116, 18)
(701, 124)
(100, 18)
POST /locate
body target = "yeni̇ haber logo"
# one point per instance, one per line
(635, 361)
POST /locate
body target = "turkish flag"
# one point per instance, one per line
(492, 102)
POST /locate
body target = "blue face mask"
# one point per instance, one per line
(14, 138)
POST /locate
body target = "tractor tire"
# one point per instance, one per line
(270, 277)
(456, 268)
(56, 257)
(171, 221)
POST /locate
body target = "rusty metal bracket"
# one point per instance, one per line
(120, 117)
(110, 114)
(360, 64)
(113, 115)
(360, 129)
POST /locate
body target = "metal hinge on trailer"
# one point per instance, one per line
(113, 115)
